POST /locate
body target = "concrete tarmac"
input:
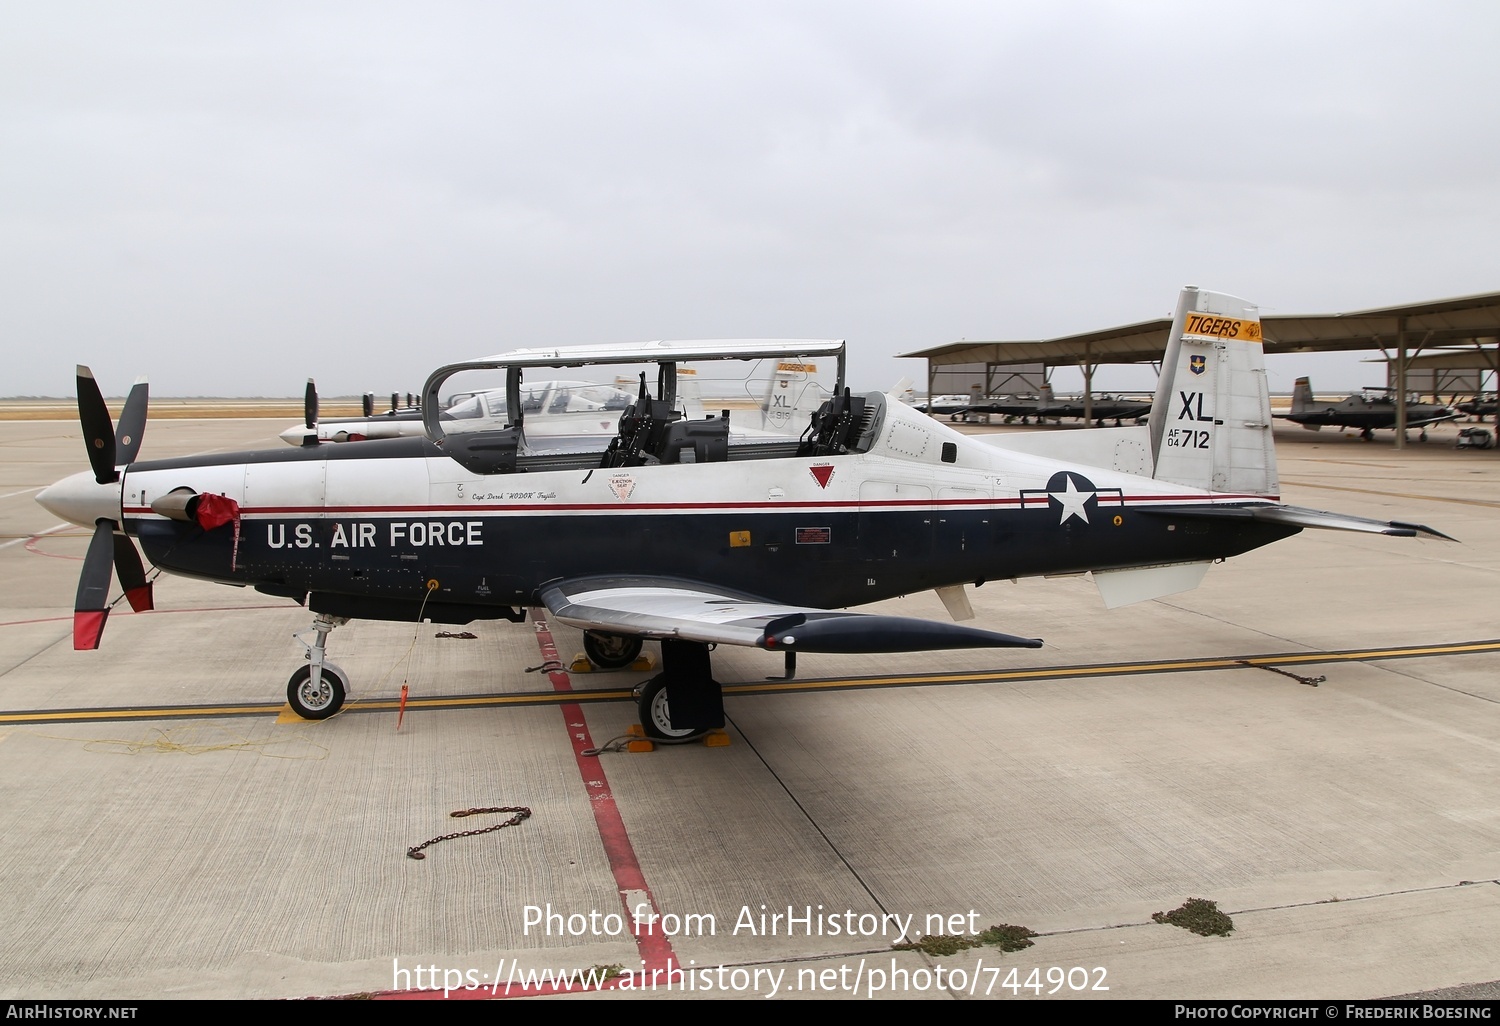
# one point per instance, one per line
(168, 831)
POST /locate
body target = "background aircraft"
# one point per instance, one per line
(568, 413)
(1047, 406)
(676, 531)
(938, 405)
(560, 409)
(1371, 410)
(1480, 406)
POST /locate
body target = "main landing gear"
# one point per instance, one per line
(611, 651)
(683, 702)
(317, 690)
(656, 715)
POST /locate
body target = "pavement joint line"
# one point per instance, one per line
(1434, 889)
(1486, 503)
(535, 698)
(34, 537)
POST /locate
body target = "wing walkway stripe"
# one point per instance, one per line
(529, 698)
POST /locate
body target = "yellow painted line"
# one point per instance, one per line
(283, 712)
(1118, 669)
(1487, 503)
(107, 715)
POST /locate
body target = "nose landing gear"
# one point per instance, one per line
(317, 691)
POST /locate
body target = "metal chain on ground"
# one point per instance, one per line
(614, 744)
(1311, 682)
(521, 812)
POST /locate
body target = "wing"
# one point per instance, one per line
(1436, 418)
(663, 607)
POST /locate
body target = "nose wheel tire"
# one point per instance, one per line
(321, 702)
(611, 651)
(651, 703)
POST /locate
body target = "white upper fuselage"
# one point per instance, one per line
(904, 468)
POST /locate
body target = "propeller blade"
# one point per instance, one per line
(367, 404)
(395, 401)
(91, 607)
(132, 424)
(310, 413)
(132, 575)
(98, 429)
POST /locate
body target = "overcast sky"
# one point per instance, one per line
(230, 197)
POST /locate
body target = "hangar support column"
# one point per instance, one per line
(1400, 382)
(1088, 384)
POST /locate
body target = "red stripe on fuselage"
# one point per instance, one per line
(713, 507)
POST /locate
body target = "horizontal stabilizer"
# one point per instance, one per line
(1298, 516)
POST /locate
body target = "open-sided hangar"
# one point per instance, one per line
(1400, 332)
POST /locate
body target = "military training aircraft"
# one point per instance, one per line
(1480, 406)
(563, 410)
(1047, 406)
(675, 531)
(1372, 410)
(952, 405)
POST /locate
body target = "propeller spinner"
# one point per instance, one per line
(89, 500)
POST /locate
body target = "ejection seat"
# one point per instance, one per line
(845, 423)
(642, 431)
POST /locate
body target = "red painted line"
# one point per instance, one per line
(153, 612)
(653, 946)
(31, 544)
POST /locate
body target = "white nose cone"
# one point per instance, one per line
(297, 434)
(82, 500)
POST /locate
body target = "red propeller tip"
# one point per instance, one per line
(141, 600)
(88, 625)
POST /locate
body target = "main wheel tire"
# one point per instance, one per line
(611, 651)
(321, 702)
(656, 719)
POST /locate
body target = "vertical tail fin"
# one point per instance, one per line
(792, 395)
(1302, 396)
(1210, 424)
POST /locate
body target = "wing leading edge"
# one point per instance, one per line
(660, 607)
